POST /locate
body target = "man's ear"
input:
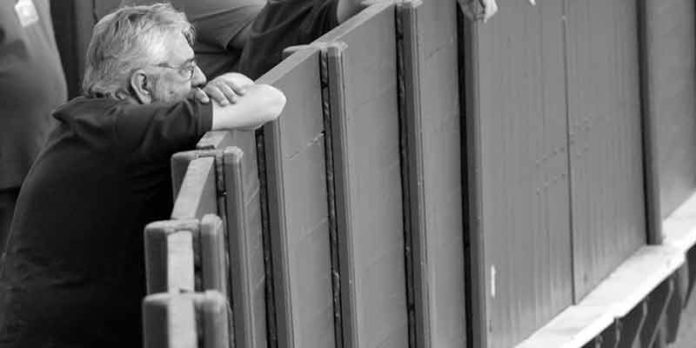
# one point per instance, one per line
(141, 84)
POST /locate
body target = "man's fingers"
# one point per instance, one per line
(237, 88)
(467, 8)
(230, 93)
(216, 94)
(201, 96)
(490, 7)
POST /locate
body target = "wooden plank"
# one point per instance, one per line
(649, 124)
(213, 258)
(169, 255)
(431, 115)
(246, 263)
(361, 62)
(469, 80)
(198, 193)
(604, 112)
(215, 140)
(179, 165)
(297, 202)
(173, 320)
(169, 321)
(176, 249)
(212, 310)
(521, 158)
(669, 26)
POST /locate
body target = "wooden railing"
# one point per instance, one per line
(377, 213)
(209, 250)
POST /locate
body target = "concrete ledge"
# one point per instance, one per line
(679, 229)
(625, 288)
(613, 298)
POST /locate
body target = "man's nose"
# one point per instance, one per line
(198, 78)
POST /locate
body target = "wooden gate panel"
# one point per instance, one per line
(253, 239)
(296, 173)
(608, 204)
(671, 67)
(431, 116)
(365, 141)
(520, 108)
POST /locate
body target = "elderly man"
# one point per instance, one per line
(73, 274)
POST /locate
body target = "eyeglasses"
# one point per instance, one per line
(185, 70)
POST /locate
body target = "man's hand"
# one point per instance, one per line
(261, 103)
(488, 9)
(224, 89)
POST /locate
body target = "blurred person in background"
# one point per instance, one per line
(32, 84)
(222, 28)
(249, 36)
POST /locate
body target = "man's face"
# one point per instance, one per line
(176, 76)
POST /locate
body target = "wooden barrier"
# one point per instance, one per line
(298, 206)
(519, 197)
(197, 195)
(431, 142)
(344, 222)
(175, 249)
(668, 96)
(195, 251)
(360, 57)
(173, 320)
(605, 137)
(557, 177)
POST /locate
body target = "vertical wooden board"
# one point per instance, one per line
(604, 115)
(212, 254)
(670, 27)
(186, 320)
(169, 321)
(371, 196)
(246, 141)
(213, 321)
(432, 112)
(442, 172)
(298, 205)
(524, 194)
(246, 264)
(198, 193)
(239, 279)
(169, 255)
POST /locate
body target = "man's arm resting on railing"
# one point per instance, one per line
(259, 104)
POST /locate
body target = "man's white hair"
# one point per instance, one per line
(130, 38)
